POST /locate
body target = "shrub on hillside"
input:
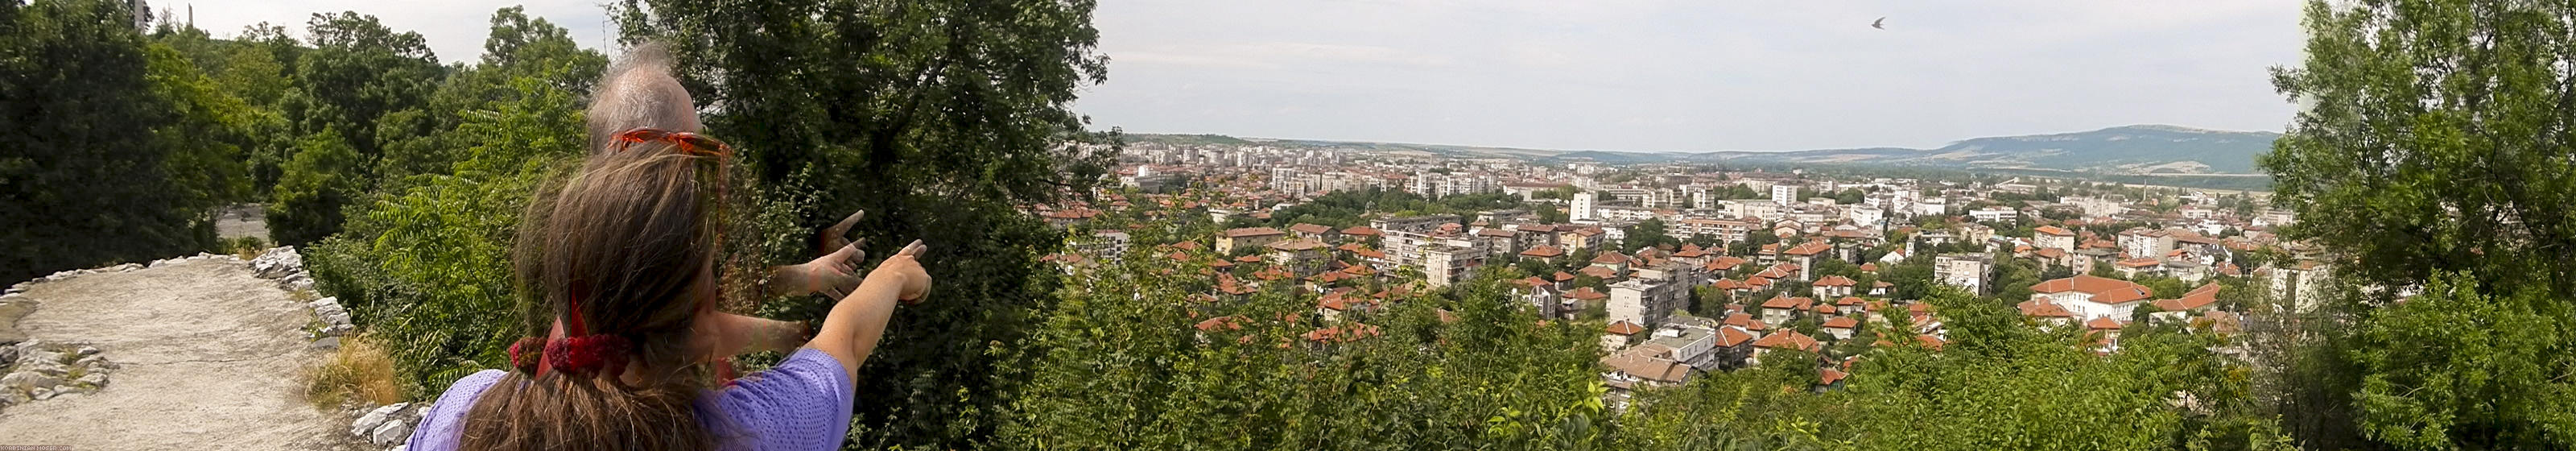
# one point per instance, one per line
(426, 268)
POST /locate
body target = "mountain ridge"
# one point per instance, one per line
(2144, 149)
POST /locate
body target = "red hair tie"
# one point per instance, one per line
(519, 357)
(586, 354)
(580, 353)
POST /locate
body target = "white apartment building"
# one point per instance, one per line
(1865, 216)
(1994, 214)
(1444, 264)
(1581, 211)
(1645, 302)
(1967, 271)
(1932, 206)
(2094, 207)
(1784, 194)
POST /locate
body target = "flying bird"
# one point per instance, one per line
(1881, 23)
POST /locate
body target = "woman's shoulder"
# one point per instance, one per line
(473, 384)
(443, 425)
(803, 403)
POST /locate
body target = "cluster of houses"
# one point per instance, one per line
(1645, 296)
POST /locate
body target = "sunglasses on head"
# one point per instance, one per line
(690, 143)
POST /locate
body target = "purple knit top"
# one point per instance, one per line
(801, 404)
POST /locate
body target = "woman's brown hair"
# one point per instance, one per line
(626, 249)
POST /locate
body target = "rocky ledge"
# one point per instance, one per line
(40, 370)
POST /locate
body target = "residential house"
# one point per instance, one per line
(1544, 253)
(1832, 287)
(1785, 340)
(2198, 301)
(1317, 232)
(2089, 297)
(2053, 237)
(1841, 327)
(1302, 256)
(1247, 238)
(1643, 367)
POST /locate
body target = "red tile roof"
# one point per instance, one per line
(1780, 302)
(1835, 281)
(2102, 289)
(1789, 339)
(1252, 232)
(2197, 298)
(1224, 322)
(2103, 323)
(1585, 293)
(1623, 327)
(1600, 272)
(1810, 248)
(2043, 309)
(1731, 337)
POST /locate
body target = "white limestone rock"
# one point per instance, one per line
(92, 381)
(389, 433)
(29, 380)
(375, 418)
(276, 263)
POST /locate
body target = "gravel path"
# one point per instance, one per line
(209, 358)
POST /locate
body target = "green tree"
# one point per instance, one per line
(98, 172)
(428, 257)
(357, 75)
(1119, 366)
(1649, 233)
(2455, 368)
(314, 186)
(941, 119)
(2434, 138)
(2432, 151)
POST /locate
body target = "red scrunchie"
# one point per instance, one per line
(519, 357)
(606, 354)
(587, 354)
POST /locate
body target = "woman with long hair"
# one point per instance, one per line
(625, 346)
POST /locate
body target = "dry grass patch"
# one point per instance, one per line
(360, 371)
(246, 248)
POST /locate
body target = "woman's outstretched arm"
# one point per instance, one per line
(853, 327)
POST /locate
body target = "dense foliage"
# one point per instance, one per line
(1120, 366)
(120, 148)
(940, 119)
(2432, 157)
(425, 263)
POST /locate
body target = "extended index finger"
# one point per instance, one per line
(913, 250)
(842, 229)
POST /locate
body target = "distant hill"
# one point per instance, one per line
(2135, 149)
(2126, 150)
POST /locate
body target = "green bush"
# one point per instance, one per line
(427, 267)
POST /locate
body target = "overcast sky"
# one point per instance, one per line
(1610, 74)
